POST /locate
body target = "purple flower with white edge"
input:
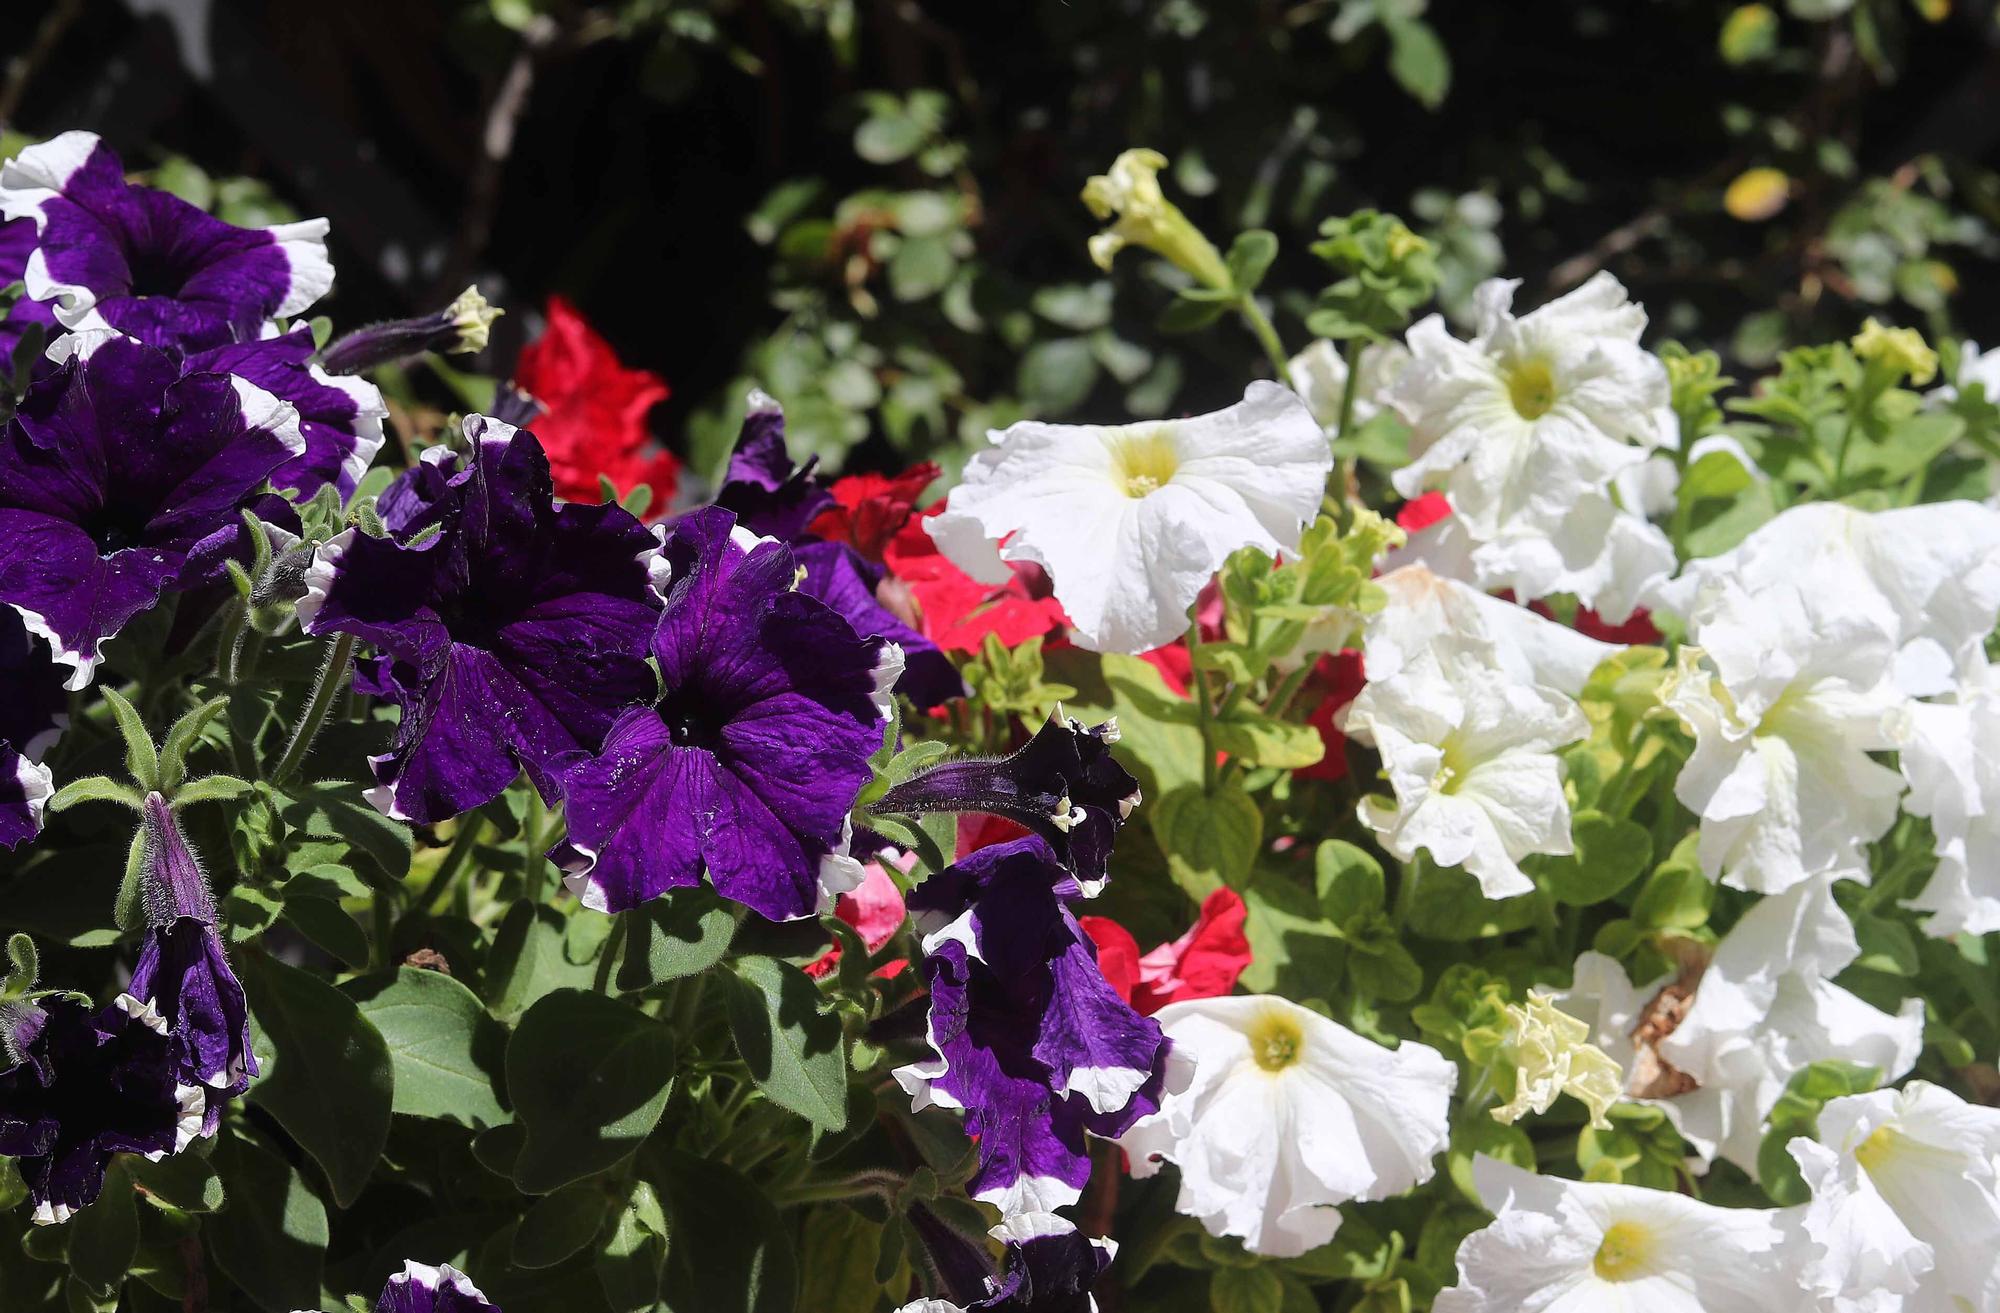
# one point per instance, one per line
(33, 713)
(772, 498)
(1063, 784)
(511, 637)
(340, 417)
(17, 243)
(144, 261)
(1026, 1035)
(1048, 1267)
(120, 479)
(183, 971)
(754, 754)
(441, 1289)
(82, 1086)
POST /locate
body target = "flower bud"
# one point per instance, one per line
(460, 328)
(1145, 217)
(1901, 350)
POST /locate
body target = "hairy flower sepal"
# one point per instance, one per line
(459, 328)
(1063, 785)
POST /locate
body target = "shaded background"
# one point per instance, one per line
(869, 206)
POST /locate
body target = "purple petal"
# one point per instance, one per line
(340, 418)
(846, 581)
(441, 1289)
(768, 495)
(24, 793)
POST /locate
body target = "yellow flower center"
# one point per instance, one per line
(1276, 1039)
(1143, 463)
(1452, 766)
(1532, 389)
(1626, 1250)
(1876, 1150)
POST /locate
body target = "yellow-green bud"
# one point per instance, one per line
(473, 316)
(1900, 349)
(1552, 1056)
(1130, 193)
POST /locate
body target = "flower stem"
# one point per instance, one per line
(1198, 685)
(325, 688)
(1267, 337)
(470, 827)
(883, 1185)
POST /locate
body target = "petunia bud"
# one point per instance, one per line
(460, 328)
(1145, 217)
(1902, 351)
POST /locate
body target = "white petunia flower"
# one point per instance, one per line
(1714, 1045)
(1426, 610)
(1290, 1114)
(1906, 1202)
(1320, 374)
(1952, 762)
(1132, 520)
(1930, 573)
(1526, 426)
(1787, 690)
(1557, 1246)
(1974, 366)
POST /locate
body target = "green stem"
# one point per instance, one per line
(1267, 337)
(470, 827)
(1198, 685)
(883, 1185)
(1350, 352)
(325, 688)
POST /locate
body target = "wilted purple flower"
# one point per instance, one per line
(510, 637)
(1026, 1035)
(1048, 1266)
(340, 418)
(756, 751)
(772, 498)
(33, 712)
(120, 478)
(84, 1085)
(440, 1289)
(147, 263)
(1064, 784)
(183, 971)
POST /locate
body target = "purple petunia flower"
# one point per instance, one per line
(83, 1086)
(340, 417)
(183, 971)
(1064, 784)
(17, 243)
(771, 497)
(510, 637)
(120, 478)
(1048, 1266)
(147, 263)
(33, 713)
(1026, 1035)
(756, 751)
(441, 1289)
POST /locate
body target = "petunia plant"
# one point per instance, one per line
(1495, 819)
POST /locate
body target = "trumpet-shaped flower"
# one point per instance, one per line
(1559, 1246)
(1130, 193)
(1288, 1114)
(1131, 520)
(1047, 1266)
(1952, 762)
(1906, 1202)
(595, 426)
(1552, 1055)
(1427, 611)
(419, 1288)
(1714, 1045)
(1787, 690)
(147, 263)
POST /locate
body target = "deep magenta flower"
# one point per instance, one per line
(147, 263)
(511, 637)
(122, 477)
(752, 758)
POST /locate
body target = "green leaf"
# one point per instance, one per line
(212, 788)
(336, 810)
(1246, 1290)
(731, 1251)
(328, 925)
(142, 763)
(1349, 881)
(669, 938)
(447, 1051)
(1609, 855)
(1478, 1133)
(1449, 904)
(528, 962)
(837, 1260)
(325, 1070)
(96, 788)
(1188, 314)
(271, 1239)
(186, 1181)
(180, 739)
(589, 1077)
(1056, 375)
(1417, 60)
(559, 1224)
(1676, 896)
(1261, 740)
(104, 1236)
(632, 1263)
(68, 895)
(1250, 257)
(920, 267)
(24, 964)
(1214, 838)
(790, 1039)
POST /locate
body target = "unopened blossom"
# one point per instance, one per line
(1552, 1055)
(1787, 690)
(1320, 374)
(1132, 520)
(183, 971)
(458, 329)
(1902, 351)
(511, 637)
(1906, 1202)
(1583, 1247)
(1203, 963)
(1024, 1033)
(145, 262)
(419, 1288)
(1130, 194)
(1064, 785)
(84, 1085)
(1289, 1113)
(751, 757)
(120, 475)
(1714, 1044)
(1929, 575)
(595, 421)
(1047, 1266)
(1952, 762)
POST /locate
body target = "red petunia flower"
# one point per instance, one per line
(1420, 513)
(596, 420)
(1339, 678)
(875, 909)
(870, 509)
(1203, 963)
(956, 611)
